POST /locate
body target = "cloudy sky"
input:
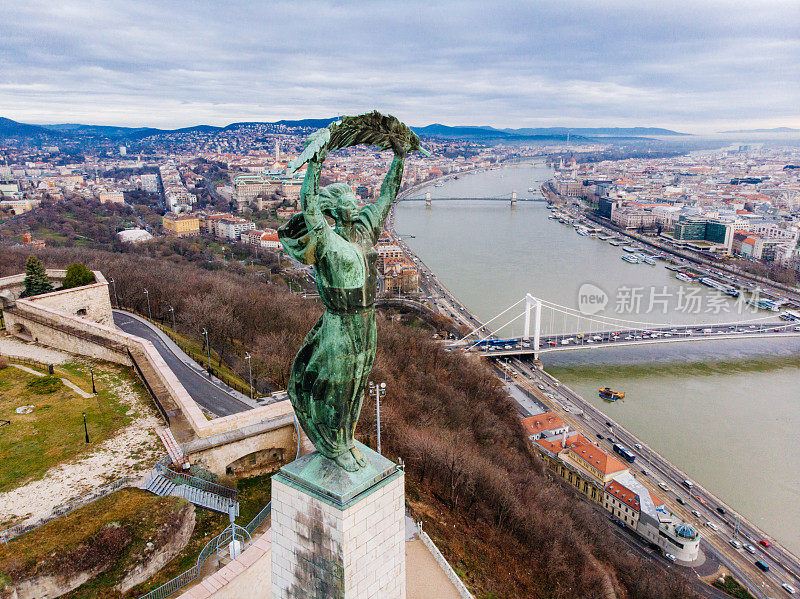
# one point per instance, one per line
(694, 66)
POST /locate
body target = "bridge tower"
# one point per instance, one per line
(536, 304)
(513, 198)
(427, 199)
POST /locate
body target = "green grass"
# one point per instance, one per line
(733, 588)
(114, 531)
(44, 385)
(53, 432)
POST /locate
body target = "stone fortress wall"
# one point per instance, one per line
(80, 321)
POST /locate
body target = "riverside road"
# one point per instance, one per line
(783, 565)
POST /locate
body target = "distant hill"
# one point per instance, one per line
(775, 130)
(9, 128)
(597, 131)
(486, 133)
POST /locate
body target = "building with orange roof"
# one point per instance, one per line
(543, 425)
(598, 464)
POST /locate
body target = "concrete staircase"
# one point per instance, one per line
(162, 481)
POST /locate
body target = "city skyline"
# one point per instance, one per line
(688, 68)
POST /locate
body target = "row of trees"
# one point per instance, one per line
(471, 473)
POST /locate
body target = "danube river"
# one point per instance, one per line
(725, 412)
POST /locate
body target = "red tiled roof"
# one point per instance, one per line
(541, 422)
(605, 463)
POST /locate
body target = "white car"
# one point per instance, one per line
(749, 548)
(637, 445)
(788, 588)
(670, 557)
(735, 544)
(541, 387)
(663, 486)
(711, 525)
(695, 513)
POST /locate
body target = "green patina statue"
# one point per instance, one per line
(330, 371)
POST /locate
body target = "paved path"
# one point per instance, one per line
(211, 394)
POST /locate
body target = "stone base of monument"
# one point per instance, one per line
(338, 534)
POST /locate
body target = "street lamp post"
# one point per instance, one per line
(379, 390)
(174, 329)
(250, 368)
(85, 428)
(147, 295)
(91, 371)
(208, 351)
(114, 285)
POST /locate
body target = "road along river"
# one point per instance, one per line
(725, 412)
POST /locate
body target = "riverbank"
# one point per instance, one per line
(489, 256)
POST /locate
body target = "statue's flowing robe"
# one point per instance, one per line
(330, 371)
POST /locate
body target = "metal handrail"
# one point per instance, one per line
(258, 519)
(180, 478)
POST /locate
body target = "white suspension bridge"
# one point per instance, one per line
(550, 327)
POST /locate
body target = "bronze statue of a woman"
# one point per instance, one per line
(329, 373)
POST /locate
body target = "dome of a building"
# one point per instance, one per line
(686, 531)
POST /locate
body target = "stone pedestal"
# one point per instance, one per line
(338, 534)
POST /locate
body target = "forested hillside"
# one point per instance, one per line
(472, 477)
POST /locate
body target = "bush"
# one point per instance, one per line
(45, 385)
(78, 276)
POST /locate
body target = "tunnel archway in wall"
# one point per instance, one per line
(259, 462)
(22, 332)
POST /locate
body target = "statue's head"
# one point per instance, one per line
(339, 202)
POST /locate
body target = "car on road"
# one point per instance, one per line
(700, 499)
(721, 510)
(735, 544)
(644, 471)
(599, 436)
(749, 548)
(608, 424)
(788, 588)
(610, 439)
(711, 525)
(670, 557)
(680, 500)
(664, 486)
(695, 513)
(541, 387)
(762, 566)
(765, 543)
(637, 445)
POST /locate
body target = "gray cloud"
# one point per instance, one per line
(690, 65)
